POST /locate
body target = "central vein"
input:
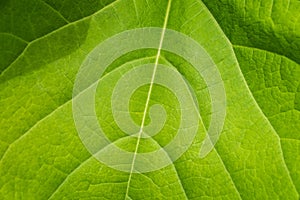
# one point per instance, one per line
(149, 94)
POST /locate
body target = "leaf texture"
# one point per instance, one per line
(255, 46)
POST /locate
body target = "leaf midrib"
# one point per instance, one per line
(149, 95)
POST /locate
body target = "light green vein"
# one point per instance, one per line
(53, 32)
(249, 91)
(15, 36)
(55, 11)
(51, 113)
(264, 50)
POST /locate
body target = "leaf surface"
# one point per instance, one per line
(257, 155)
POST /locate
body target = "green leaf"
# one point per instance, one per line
(256, 49)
